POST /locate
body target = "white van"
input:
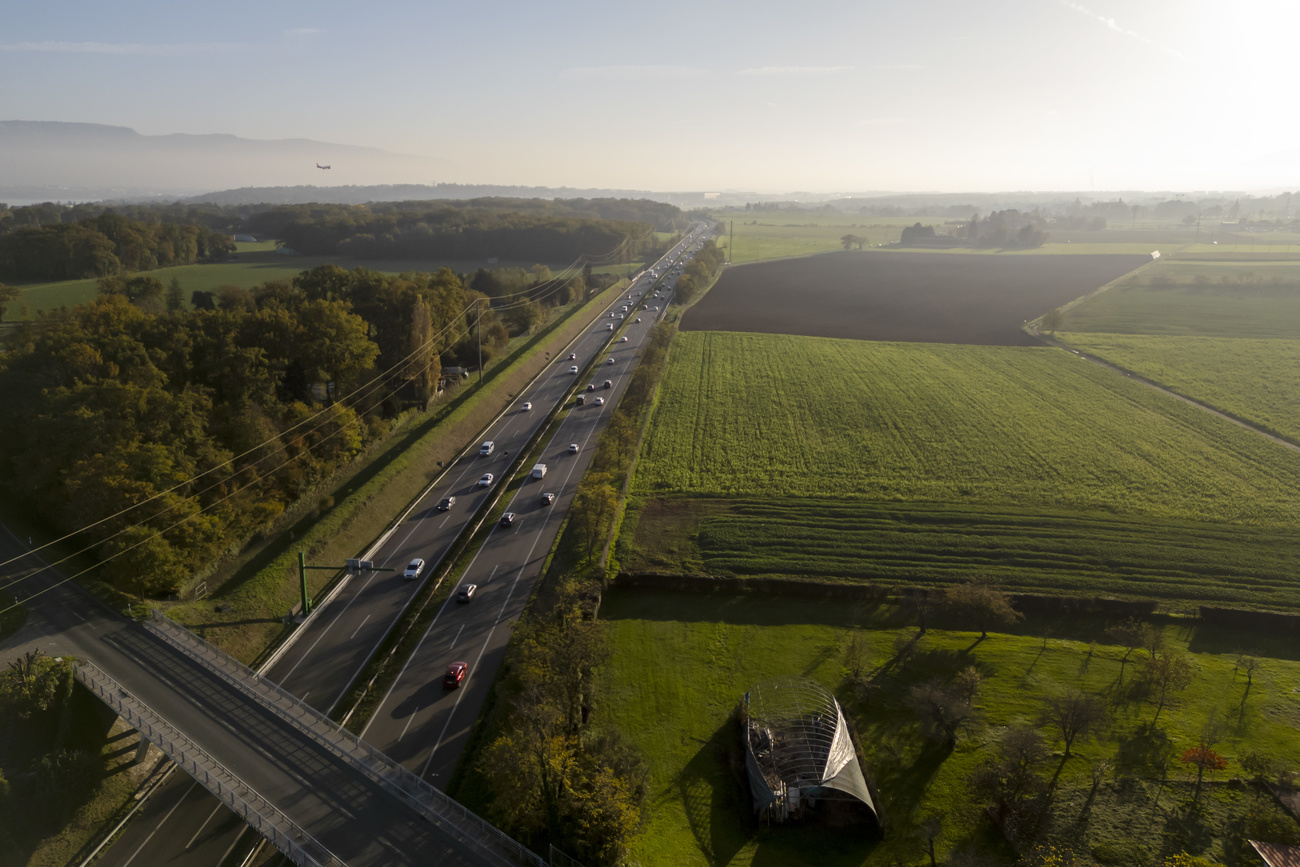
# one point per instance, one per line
(487, 448)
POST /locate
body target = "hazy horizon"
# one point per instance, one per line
(1019, 95)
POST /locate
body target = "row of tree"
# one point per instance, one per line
(109, 244)
(173, 434)
(270, 219)
(699, 273)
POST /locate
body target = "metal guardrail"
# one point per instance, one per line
(281, 831)
(422, 797)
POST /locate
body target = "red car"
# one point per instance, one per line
(455, 674)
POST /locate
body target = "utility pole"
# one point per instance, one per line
(731, 252)
(478, 309)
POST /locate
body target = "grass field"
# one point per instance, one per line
(1259, 310)
(773, 416)
(1255, 380)
(682, 662)
(1024, 550)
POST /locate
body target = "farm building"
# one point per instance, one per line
(799, 756)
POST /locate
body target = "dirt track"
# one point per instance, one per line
(910, 297)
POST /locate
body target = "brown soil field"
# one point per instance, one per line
(911, 297)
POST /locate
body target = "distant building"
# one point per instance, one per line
(247, 239)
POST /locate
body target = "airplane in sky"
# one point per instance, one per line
(319, 166)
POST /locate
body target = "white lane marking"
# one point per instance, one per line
(410, 720)
(398, 679)
(518, 574)
(457, 638)
(326, 630)
(243, 830)
(205, 824)
(358, 629)
(491, 576)
(160, 824)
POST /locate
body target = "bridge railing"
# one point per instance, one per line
(422, 797)
(281, 831)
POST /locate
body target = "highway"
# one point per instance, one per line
(418, 724)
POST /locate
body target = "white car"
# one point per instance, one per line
(623, 339)
(573, 448)
(610, 327)
(600, 401)
(573, 369)
(528, 405)
(611, 360)
(413, 569)
(486, 481)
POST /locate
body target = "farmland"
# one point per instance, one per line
(1023, 550)
(775, 416)
(1210, 299)
(901, 296)
(1254, 380)
(681, 663)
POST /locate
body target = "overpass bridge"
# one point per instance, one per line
(319, 794)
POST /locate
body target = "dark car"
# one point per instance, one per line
(582, 398)
(446, 504)
(508, 519)
(455, 674)
(466, 592)
(609, 383)
(591, 386)
(547, 499)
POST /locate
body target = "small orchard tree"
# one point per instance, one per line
(1166, 675)
(1073, 714)
(982, 605)
(1204, 759)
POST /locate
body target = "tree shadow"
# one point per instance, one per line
(1186, 830)
(714, 797)
(1144, 751)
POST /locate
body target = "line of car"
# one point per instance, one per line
(458, 670)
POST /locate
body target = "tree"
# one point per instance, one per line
(1205, 759)
(855, 647)
(1052, 320)
(593, 509)
(921, 603)
(1074, 714)
(981, 604)
(1012, 781)
(175, 295)
(1129, 634)
(942, 709)
(1165, 675)
(1248, 664)
(8, 294)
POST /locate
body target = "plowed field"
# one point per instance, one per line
(913, 297)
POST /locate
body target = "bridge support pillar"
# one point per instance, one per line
(141, 750)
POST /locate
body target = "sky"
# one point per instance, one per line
(923, 95)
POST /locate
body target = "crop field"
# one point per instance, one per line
(774, 235)
(1217, 299)
(681, 663)
(1255, 380)
(1024, 550)
(774, 416)
(952, 298)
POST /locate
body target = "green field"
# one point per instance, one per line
(1254, 380)
(1024, 550)
(1209, 300)
(682, 662)
(774, 416)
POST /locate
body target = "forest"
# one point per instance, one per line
(172, 435)
(104, 245)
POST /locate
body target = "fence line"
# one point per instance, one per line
(422, 797)
(281, 831)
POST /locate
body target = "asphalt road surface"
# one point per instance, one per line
(189, 828)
